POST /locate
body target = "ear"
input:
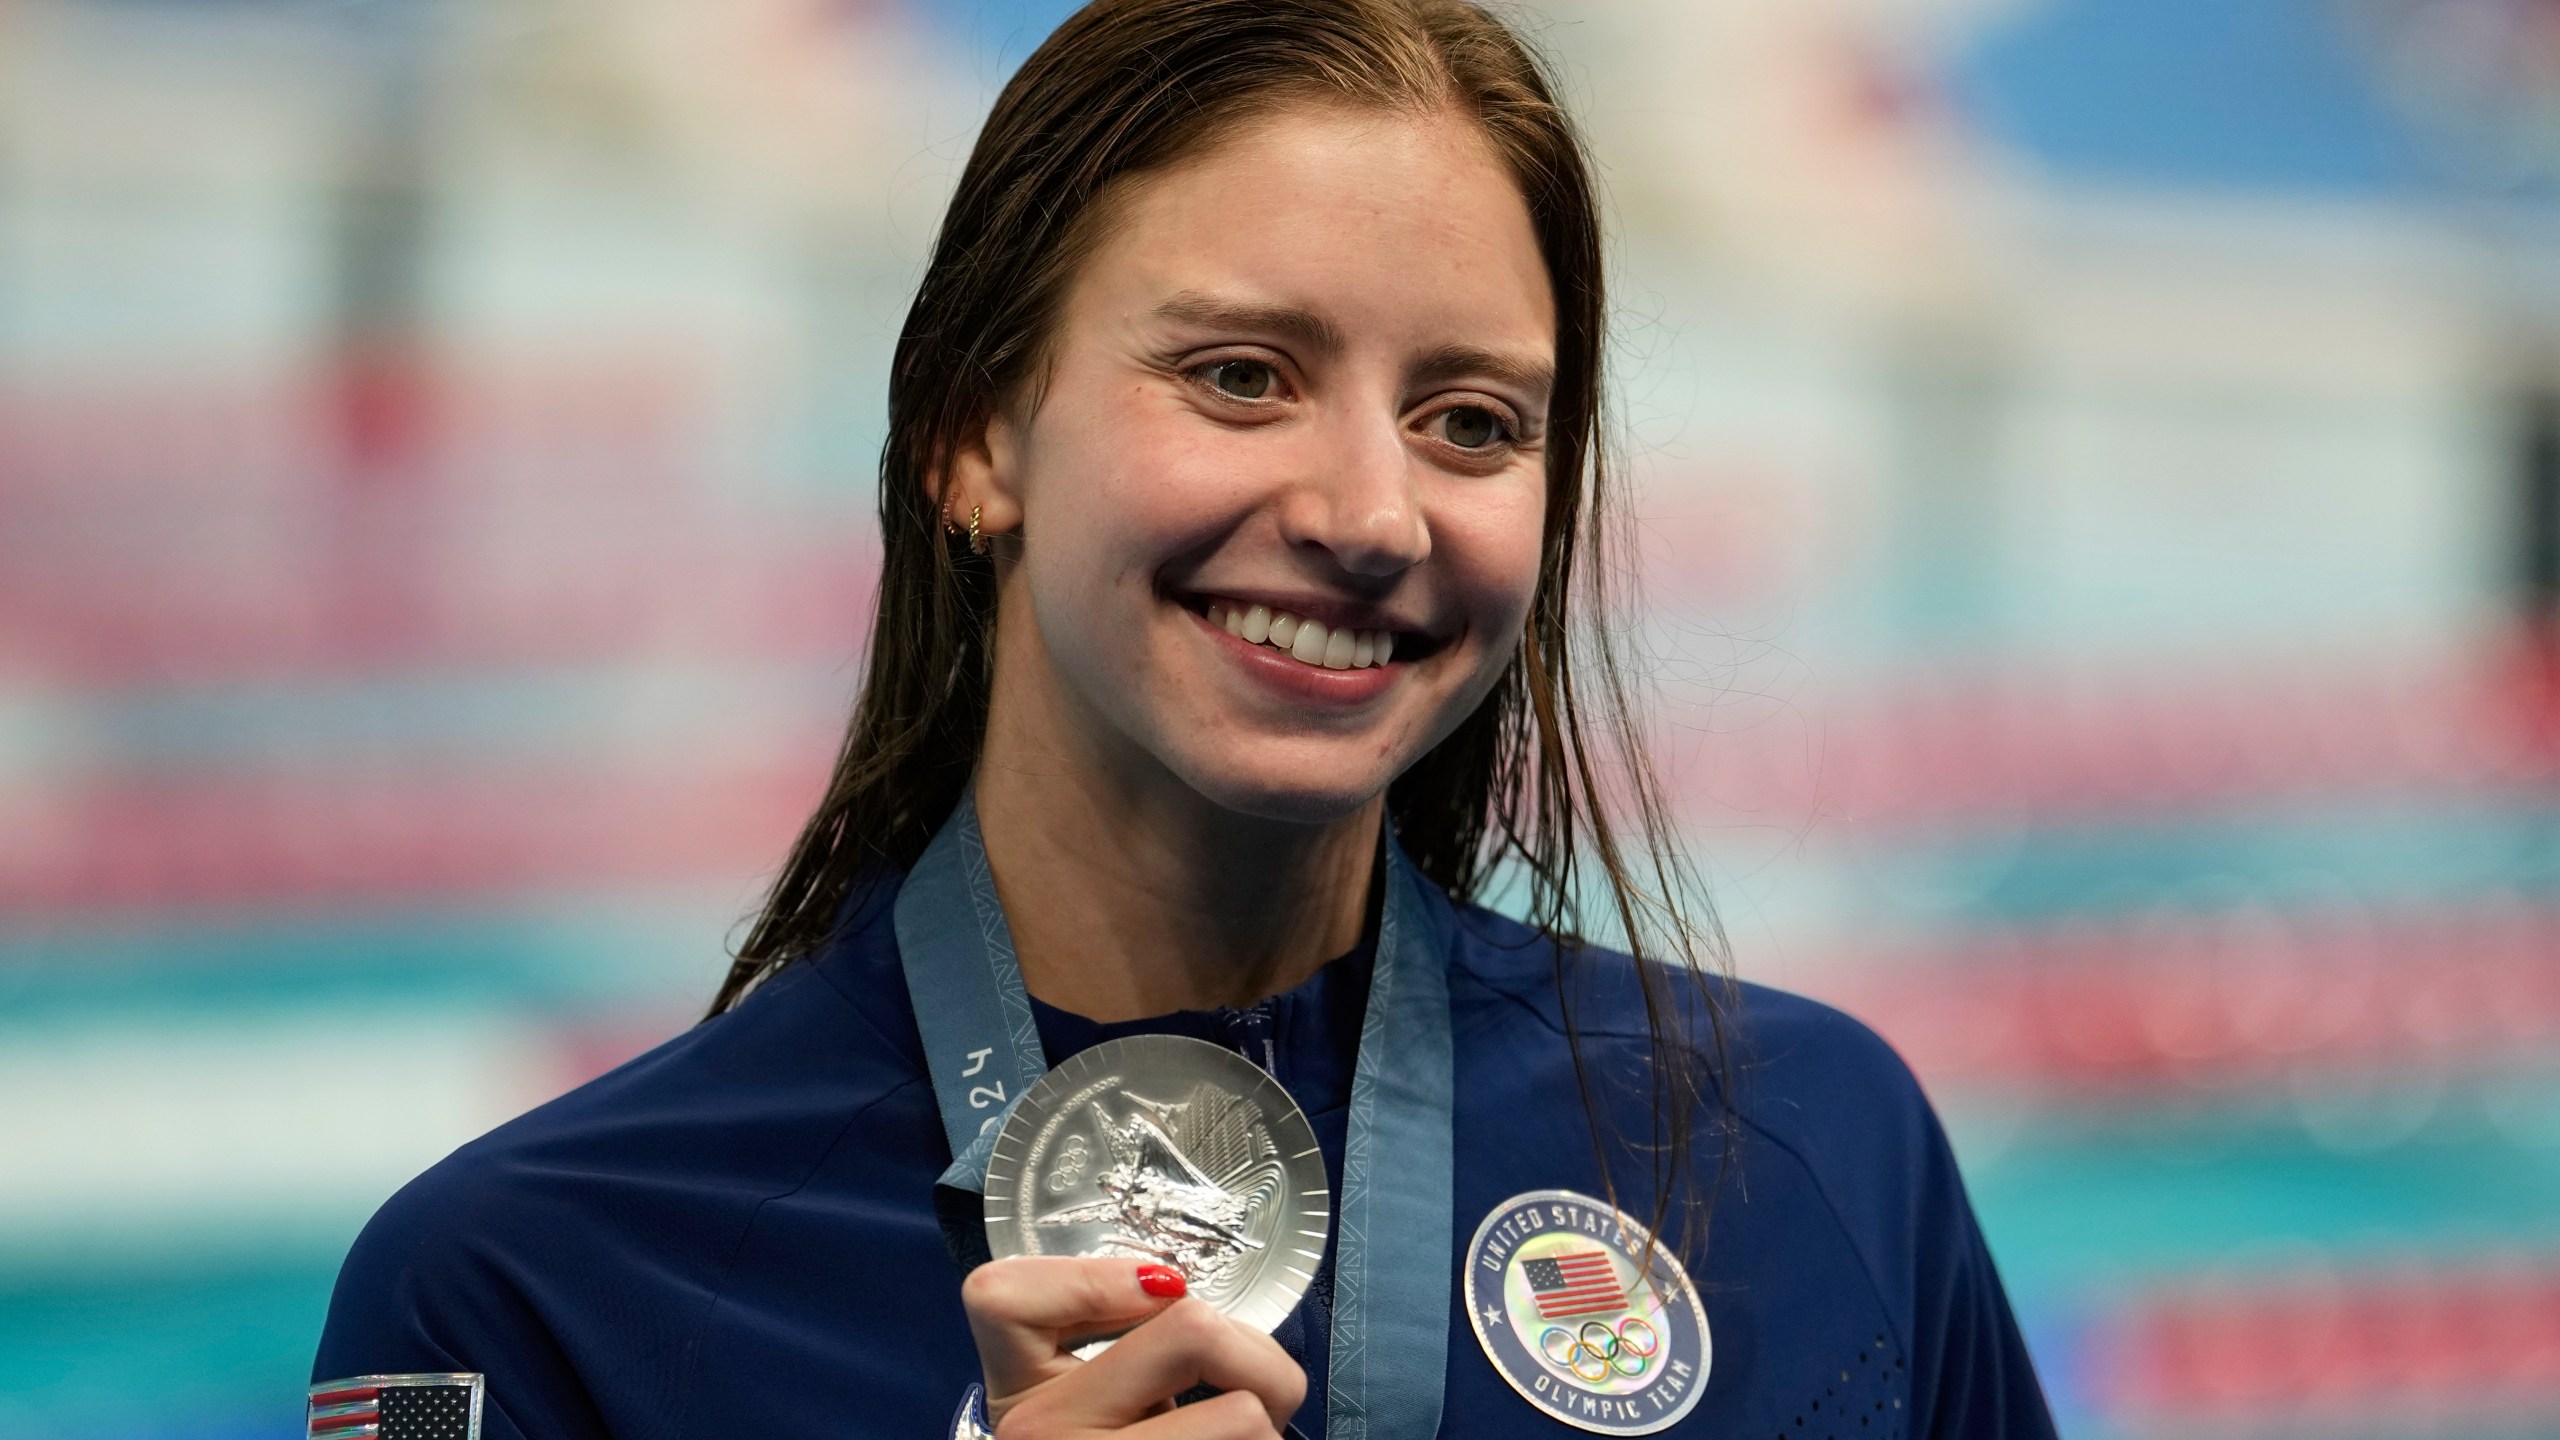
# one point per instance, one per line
(984, 471)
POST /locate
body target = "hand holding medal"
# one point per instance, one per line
(1141, 1170)
(1155, 1149)
(1030, 1313)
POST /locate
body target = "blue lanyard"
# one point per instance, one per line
(1389, 1353)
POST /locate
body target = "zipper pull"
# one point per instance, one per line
(1249, 1029)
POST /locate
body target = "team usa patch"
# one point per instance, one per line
(1586, 1317)
(395, 1407)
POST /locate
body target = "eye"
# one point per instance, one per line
(1243, 379)
(1471, 427)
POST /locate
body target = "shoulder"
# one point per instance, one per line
(1838, 1152)
(1780, 1045)
(620, 1203)
(1801, 1075)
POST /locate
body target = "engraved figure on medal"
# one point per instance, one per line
(1169, 1150)
(1190, 1184)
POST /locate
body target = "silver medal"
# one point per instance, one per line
(1163, 1148)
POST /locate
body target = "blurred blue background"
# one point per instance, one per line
(2098, 474)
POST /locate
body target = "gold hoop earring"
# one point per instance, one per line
(977, 542)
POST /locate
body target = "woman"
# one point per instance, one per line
(1240, 495)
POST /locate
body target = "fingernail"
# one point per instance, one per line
(1163, 1281)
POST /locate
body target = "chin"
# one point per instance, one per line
(1270, 794)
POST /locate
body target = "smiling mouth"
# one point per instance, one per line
(1310, 642)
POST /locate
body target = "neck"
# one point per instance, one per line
(1129, 898)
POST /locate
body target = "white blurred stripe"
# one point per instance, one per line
(114, 1134)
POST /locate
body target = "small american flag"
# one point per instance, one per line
(1580, 1283)
(395, 1407)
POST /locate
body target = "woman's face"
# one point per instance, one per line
(1301, 382)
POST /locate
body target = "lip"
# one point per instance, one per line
(1296, 679)
(1412, 641)
(1331, 612)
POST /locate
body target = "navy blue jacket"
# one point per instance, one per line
(733, 1235)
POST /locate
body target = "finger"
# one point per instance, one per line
(1233, 1416)
(1189, 1344)
(1236, 1415)
(1021, 1309)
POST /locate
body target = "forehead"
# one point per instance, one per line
(1398, 228)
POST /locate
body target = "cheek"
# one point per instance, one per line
(1491, 542)
(1120, 483)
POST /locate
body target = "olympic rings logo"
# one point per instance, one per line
(1597, 1350)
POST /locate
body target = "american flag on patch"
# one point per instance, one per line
(395, 1407)
(1580, 1283)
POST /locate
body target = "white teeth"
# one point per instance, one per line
(1310, 641)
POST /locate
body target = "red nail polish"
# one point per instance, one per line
(1163, 1281)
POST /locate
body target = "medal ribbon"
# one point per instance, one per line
(1388, 1356)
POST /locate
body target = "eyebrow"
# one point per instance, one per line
(1460, 362)
(1287, 321)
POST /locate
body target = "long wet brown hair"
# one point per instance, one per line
(1544, 790)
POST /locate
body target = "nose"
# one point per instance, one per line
(1358, 502)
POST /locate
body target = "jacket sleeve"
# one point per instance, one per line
(1973, 1379)
(1844, 1101)
(430, 1286)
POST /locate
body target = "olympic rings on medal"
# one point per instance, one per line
(1596, 1351)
